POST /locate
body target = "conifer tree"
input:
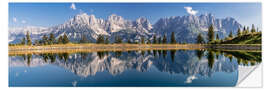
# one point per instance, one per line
(36, 42)
(142, 40)
(244, 30)
(100, 39)
(239, 33)
(247, 31)
(44, 40)
(253, 30)
(154, 39)
(60, 40)
(164, 41)
(83, 39)
(118, 39)
(231, 35)
(23, 41)
(159, 40)
(28, 38)
(51, 39)
(107, 40)
(148, 41)
(211, 33)
(200, 39)
(65, 39)
(217, 37)
(129, 41)
(173, 41)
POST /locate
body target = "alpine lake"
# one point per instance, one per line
(163, 68)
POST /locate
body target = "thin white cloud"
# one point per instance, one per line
(190, 11)
(23, 21)
(73, 7)
(14, 19)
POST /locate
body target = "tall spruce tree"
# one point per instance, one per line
(148, 42)
(51, 39)
(253, 30)
(244, 30)
(28, 38)
(83, 39)
(44, 40)
(231, 35)
(60, 40)
(159, 40)
(164, 41)
(173, 41)
(65, 39)
(107, 40)
(154, 39)
(118, 39)
(200, 39)
(36, 42)
(100, 39)
(23, 41)
(217, 37)
(129, 41)
(211, 33)
(247, 31)
(142, 40)
(239, 33)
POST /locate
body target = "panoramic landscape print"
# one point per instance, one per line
(133, 44)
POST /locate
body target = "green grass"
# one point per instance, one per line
(251, 38)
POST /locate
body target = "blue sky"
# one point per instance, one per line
(51, 14)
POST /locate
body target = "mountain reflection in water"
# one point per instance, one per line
(193, 64)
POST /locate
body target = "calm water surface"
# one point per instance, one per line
(133, 68)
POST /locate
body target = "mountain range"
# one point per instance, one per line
(186, 28)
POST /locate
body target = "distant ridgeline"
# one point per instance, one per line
(185, 28)
(176, 29)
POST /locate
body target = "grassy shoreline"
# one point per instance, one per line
(58, 48)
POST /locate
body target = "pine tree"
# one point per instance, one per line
(247, 31)
(159, 40)
(44, 40)
(100, 39)
(142, 40)
(244, 30)
(83, 39)
(28, 38)
(148, 41)
(200, 39)
(23, 41)
(107, 40)
(118, 39)
(239, 33)
(154, 39)
(173, 41)
(253, 30)
(164, 41)
(36, 42)
(211, 33)
(231, 35)
(129, 41)
(60, 40)
(65, 39)
(217, 37)
(51, 39)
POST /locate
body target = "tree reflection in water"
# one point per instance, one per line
(155, 56)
